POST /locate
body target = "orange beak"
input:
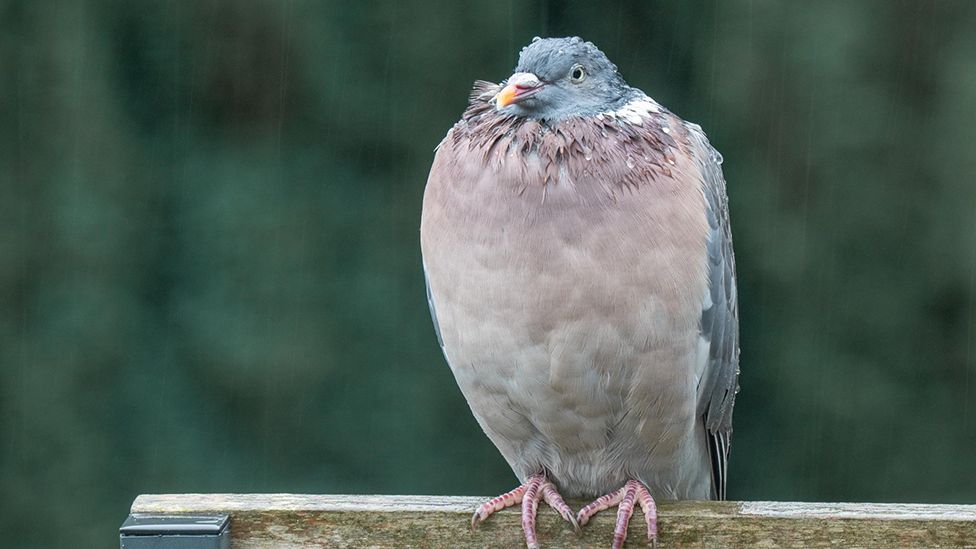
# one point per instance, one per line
(507, 96)
(521, 86)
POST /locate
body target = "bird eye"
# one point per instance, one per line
(577, 74)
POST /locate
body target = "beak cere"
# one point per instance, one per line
(521, 86)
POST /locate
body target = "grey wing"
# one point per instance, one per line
(720, 317)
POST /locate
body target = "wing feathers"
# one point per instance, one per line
(720, 322)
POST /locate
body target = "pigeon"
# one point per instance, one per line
(578, 258)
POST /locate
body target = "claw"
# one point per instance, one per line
(507, 499)
(530, 504)
(650, 513)
(536, 488)
(624, 498)
(556, 501)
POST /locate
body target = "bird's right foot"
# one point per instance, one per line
(624, 499)
(536, 488)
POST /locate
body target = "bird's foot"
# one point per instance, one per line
(624, 498)
(536, 488)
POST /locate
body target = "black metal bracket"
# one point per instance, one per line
(151, 531)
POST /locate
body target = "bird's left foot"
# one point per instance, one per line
(624, 498)
(536, 488)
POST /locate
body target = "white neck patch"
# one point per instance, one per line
(635, 111)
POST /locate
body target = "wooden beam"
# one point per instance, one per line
(264, 521)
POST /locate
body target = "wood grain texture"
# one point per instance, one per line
(264, 521)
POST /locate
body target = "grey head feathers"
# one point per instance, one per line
(575, 77)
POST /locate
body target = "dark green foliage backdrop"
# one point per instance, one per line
(209, 265)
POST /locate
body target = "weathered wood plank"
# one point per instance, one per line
(263, 521)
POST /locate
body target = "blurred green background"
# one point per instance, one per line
(210, 275)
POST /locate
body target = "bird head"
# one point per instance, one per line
(561, 77)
